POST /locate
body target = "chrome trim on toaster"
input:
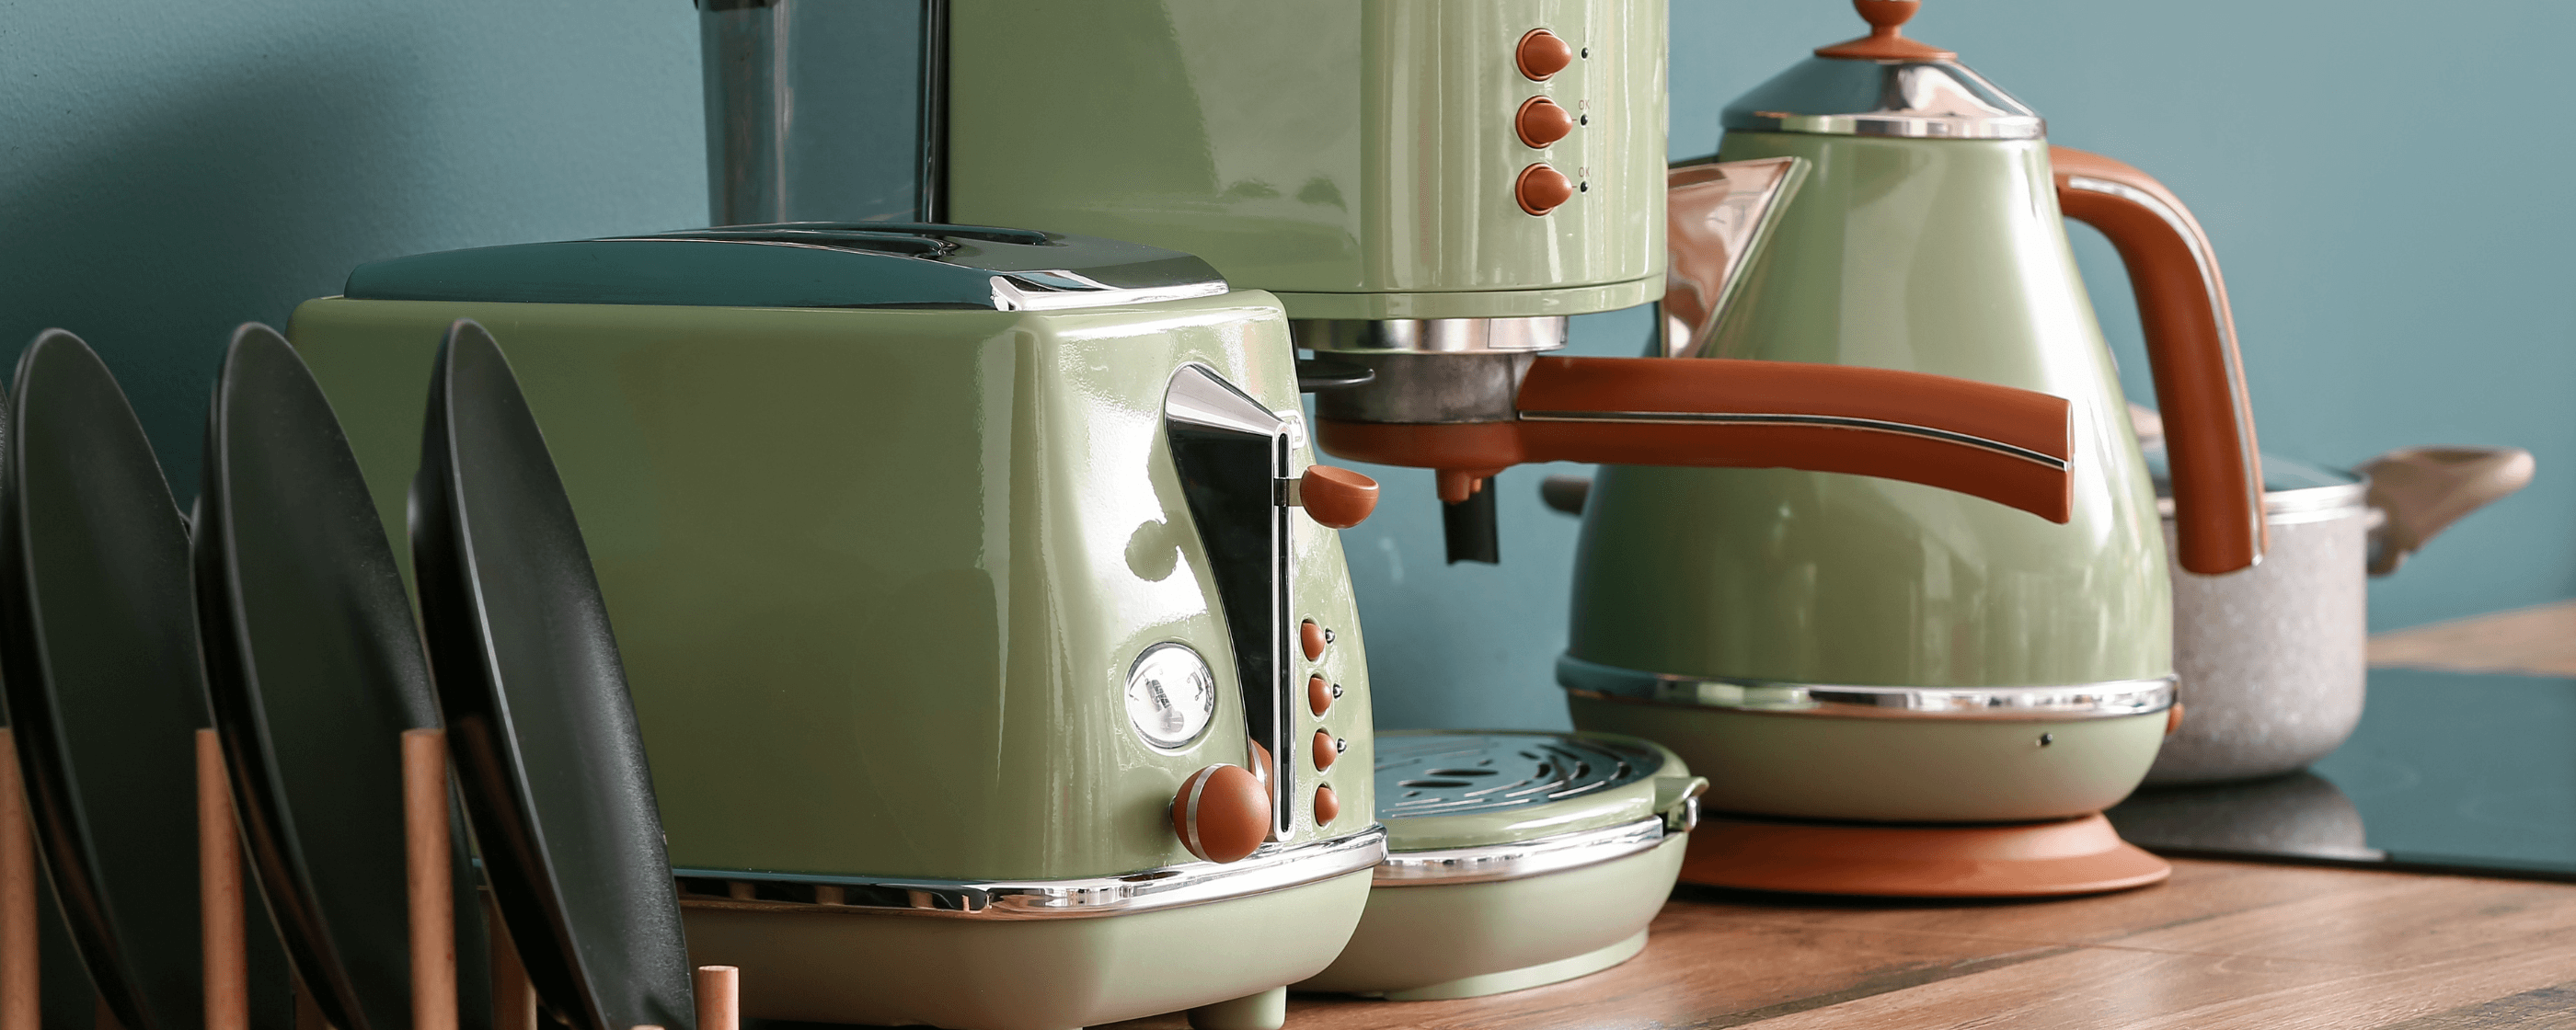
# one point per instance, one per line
(2043, 703)
(1273, 868)
(1486, 863)
(1059, 290)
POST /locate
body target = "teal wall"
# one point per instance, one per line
(2379, 184)
(171, 170)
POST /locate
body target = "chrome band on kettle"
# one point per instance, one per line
(2051, 703)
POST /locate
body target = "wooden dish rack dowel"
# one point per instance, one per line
(18, 1008)
(223, 915)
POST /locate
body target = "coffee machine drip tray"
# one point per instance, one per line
(2449, 771)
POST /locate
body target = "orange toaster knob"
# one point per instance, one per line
(1541, 188)
(1541, 54)
(1541, 122)
(1336, 497)
(1325, 752)
(1222, 813)
(1326, 805)
(1319, 695)
(1311, 639)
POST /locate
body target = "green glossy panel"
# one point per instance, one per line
(1899, 770)
(1037, 974)
(1933, 256)
(1336, 147)
(878, 576)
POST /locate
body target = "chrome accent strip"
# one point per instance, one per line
(1273, 868)
(2106, 700)
(1485, 863)
(1912, 99)
(1430, 335)
(2208, 265)
(1023, 291)
(1816, 421)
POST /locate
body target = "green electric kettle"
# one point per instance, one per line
(1878, 652)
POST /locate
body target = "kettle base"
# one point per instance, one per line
(2082, 855)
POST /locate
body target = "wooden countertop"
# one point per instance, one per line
(2221, 945)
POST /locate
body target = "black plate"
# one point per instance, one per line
(537, 711)
(98, 655)
(316, 671)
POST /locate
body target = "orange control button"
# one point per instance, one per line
(1222, 813)
(1541, 188)
(1326, 805)
(1319, 695)
(1541, 54)
(1540, 122)
(1325, 751)
(1312, 638)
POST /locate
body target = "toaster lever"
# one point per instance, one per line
(1336, 497)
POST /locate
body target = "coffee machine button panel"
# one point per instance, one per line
(1540, 122)
(1542, 189)
(1320, 695)
(1542, 54)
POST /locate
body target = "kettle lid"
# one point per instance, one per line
(1884, 84)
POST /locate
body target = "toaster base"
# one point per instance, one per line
(903, 968)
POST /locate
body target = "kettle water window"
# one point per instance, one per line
(1231, 454)
(1171, 695)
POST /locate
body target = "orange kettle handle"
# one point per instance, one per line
(2191, 349)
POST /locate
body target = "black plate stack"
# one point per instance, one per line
(316, 672)
(538, 715)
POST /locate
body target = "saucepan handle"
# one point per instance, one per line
(2191, 349)
(2420, 491)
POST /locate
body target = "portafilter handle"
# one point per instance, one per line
(2007, 445)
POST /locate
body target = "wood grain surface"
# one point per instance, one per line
(2538, 641)
(2222, 945)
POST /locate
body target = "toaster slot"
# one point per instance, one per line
(1231, 453)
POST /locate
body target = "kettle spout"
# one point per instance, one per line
(2003, 444)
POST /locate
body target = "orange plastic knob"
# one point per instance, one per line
(1222, 813)
(2173, 718)
(1541, 54)
(1336, 497)
(1541, 122)
(1319, 695)
(1541, 188)
(1311, 639)
(1325, 752)
(1326, 805)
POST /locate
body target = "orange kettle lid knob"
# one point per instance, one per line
(1886, 40)
(1222, 813)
